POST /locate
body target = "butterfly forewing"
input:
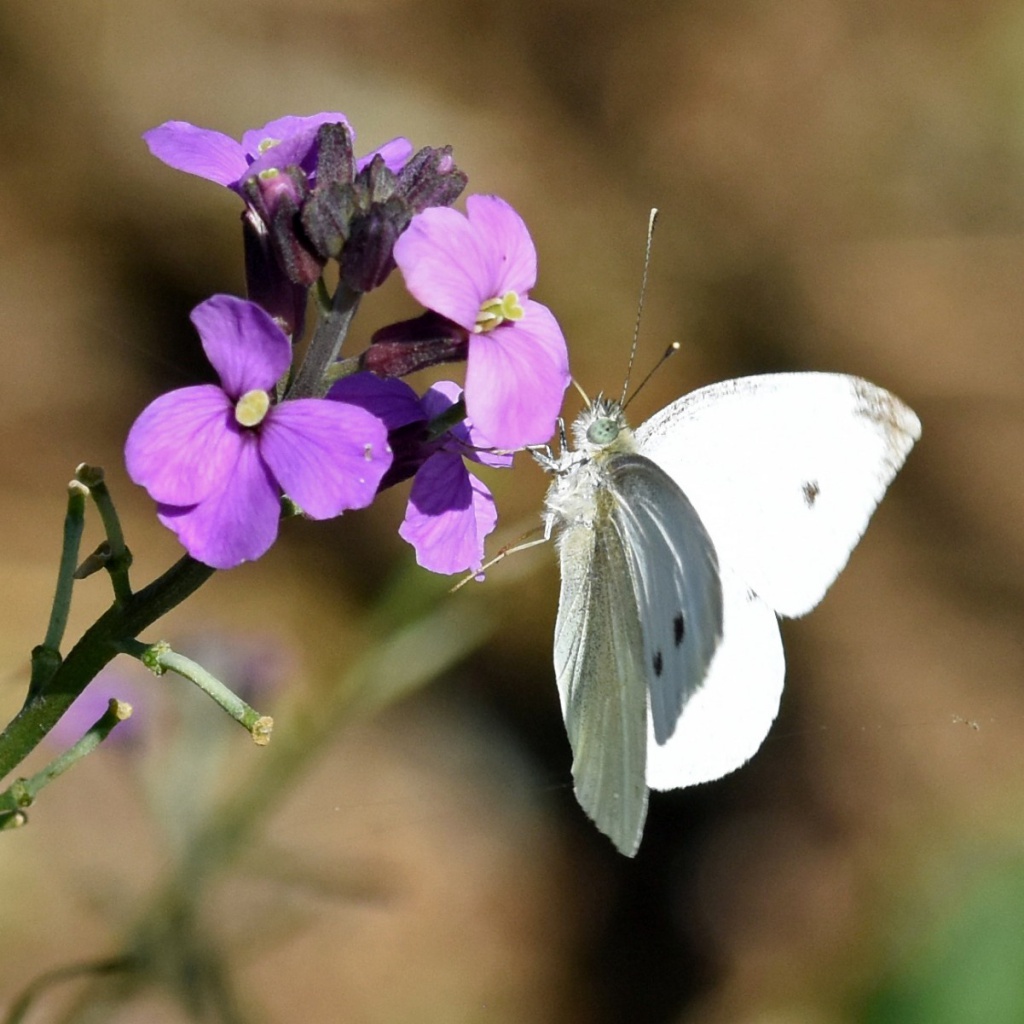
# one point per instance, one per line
(599, 667)
(676, 589)
(784, 471)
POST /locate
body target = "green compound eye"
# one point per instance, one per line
(603, 431)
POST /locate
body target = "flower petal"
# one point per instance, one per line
(449, 514)
(247, 349)
(390, 399)
(287, 141)
(327, 456)
(444, 265)
(395, 152)
(516, 376)
(507, 241)
(184, 445)
(238, 522)
(200, 151)
(439, 398)
(464, 438)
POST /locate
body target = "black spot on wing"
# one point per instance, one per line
(658, 663)
(811, 492)
(678, 628)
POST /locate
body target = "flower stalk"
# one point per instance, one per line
(22, 793)
(100, 643)
(160, 658)
(310, 381)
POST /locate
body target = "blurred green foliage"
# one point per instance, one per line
(970, 968)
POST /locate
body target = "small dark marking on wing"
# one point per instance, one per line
(811, 492)
(659, 663)
(678, 628)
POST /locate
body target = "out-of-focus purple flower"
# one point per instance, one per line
(279, 144)
(256, 667)
(477, 270)
(115, 681)
(450, 511)
(217, 458)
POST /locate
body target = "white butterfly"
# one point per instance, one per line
(679, 545)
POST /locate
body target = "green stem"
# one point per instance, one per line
(104, 639)
(159, 658)
(119, 557)
(455, 413)
(22, 793)
(74, 523)
(20, 1008)
(325, 344)
(46, 657)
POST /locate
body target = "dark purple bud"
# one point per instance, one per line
(403, 348)
(299, 259)
(376, 182)
(430, 178)
(336, 161)
(277, 197)
(266, 282)
(326, 219)
(366, 260)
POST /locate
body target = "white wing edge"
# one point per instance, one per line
(725, 722)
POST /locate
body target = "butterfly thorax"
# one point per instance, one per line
(575, 497)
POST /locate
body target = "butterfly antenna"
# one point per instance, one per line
(640, 305)
(670, 351)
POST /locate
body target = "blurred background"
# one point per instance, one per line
(842, 188)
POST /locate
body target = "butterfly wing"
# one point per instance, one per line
(639, 619)
(599, 668)
(674, 571)
(784, 470)
(723, 724)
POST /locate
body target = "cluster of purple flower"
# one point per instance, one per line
(328, 436)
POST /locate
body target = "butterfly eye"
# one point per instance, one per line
(602, 431)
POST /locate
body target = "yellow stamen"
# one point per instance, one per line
(252, 407)
(266, 144)
(495, 312)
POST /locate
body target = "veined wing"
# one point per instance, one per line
(674, 570)
(784, 470)
(600, 671)
(725, 722)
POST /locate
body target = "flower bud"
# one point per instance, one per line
(276, 199)
(403, 348)
(266, 282)
(430, 178)
(367, 257)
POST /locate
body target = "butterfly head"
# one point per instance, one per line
(602, 427)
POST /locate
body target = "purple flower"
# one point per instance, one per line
(477, 271)
(90, 705)
(450, 511)
(217, 459)
(286, 142)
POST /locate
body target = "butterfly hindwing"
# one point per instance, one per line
(724, 723)
(676, 588)
(784, 470)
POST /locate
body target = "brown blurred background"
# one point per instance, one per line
(842, 188)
